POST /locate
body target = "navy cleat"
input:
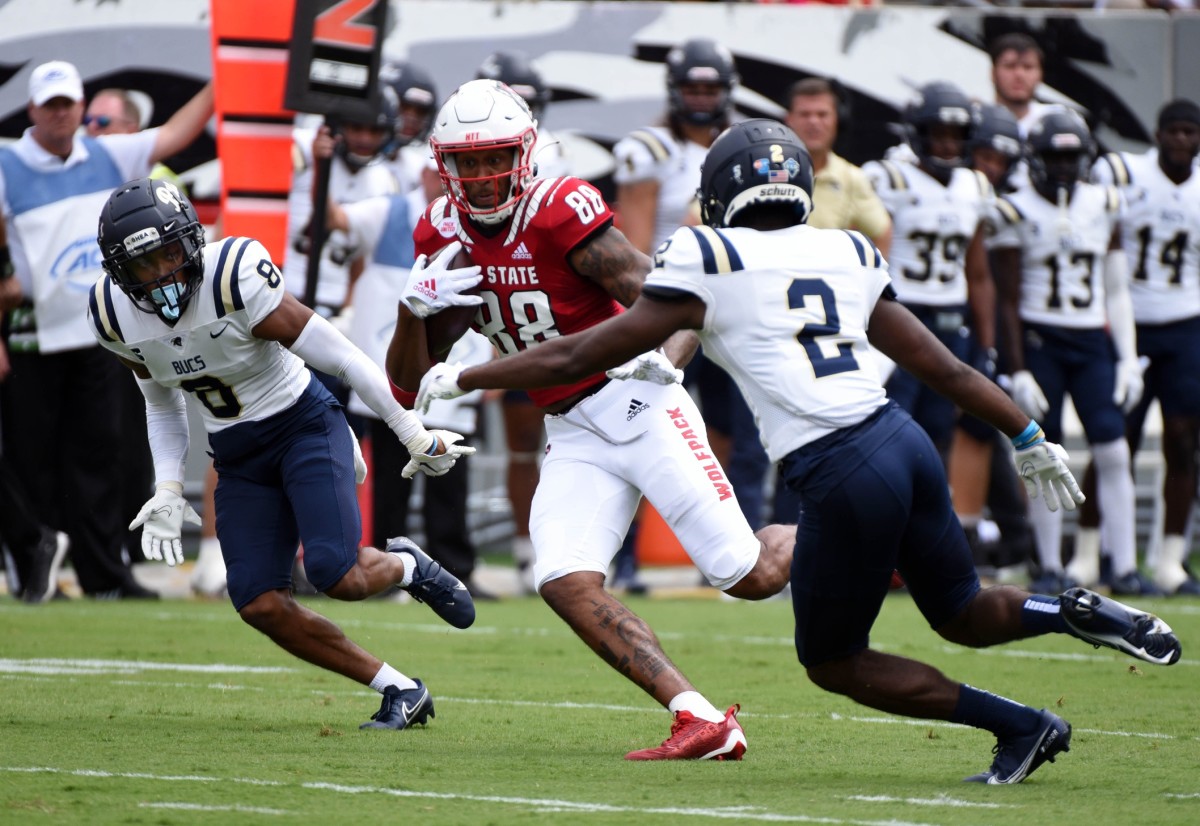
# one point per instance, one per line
(1103, 621)
(402, 708)
(1019, 757)
(435, 586)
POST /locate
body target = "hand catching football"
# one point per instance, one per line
(443, 281)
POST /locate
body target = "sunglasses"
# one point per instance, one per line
(103, 121)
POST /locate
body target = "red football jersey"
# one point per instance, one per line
(530, 292)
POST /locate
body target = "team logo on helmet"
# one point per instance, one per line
(168, 193)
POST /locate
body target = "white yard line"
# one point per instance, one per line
(538, 805)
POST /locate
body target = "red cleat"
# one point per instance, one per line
(695, 739)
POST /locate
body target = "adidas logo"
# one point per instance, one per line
(427, 288)
(635, 407)
(521, 253)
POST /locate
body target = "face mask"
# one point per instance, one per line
(167, 297)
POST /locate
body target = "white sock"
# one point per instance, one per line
(390, 676)
(1047, 531)
(1085, 565)
(1169, 573)
(694, 702)
(410, 565)
(522, 550)
(1114, 490)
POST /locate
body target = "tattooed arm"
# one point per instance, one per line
(610, 260)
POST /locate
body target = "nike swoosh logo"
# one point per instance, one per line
(218, 332)
(410, 711)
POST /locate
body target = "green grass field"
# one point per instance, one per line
(176, 713)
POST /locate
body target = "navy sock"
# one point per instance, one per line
(1043, 615)
(999, 715)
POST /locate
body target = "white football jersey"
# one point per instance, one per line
(1160, 232)
(786, 316)
(1062, 252)
(229, 375)
(932, 226)
(653, 153)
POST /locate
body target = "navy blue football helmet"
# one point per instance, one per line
(937, 104)
(515, 70)
(755, 163)
(414, 90)
(996, 129)
(1059, 151)
(700, 61)
(141, 218)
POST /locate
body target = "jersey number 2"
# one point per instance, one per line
(803, 294)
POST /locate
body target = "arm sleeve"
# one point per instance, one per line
(320, 345)
(166, 429)
(1119, 305)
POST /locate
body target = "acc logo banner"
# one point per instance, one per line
(78, 264)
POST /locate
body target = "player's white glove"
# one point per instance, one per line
(1127, 390)
(1028, 396)
(653, 367)
(436, 465)
(162, 521)
(432, 286)
(1043, 467)
(441, 382)
(360, 464)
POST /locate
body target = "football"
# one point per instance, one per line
(444, 328)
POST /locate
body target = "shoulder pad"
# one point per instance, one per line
(717, 252)
(1121, 174)
(1112, 199)
(103, 312)
(895, 176)
(1008, 211)
(658, 148)
(868, 254)
(226, 287)
(985, 186)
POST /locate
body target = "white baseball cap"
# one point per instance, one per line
(55, 79)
